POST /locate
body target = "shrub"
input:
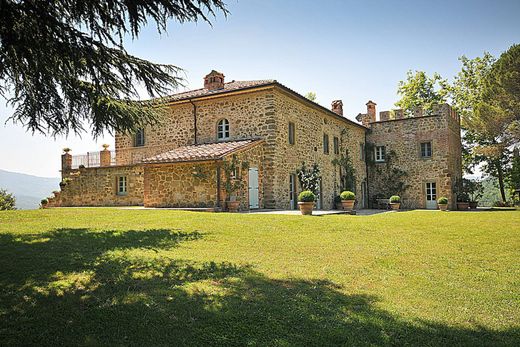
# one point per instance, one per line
(347, 195)
(394, 199)
(44, 202)
(81, 166)
(7, 201)
(442, 201)
(66, 149)
(306, 196)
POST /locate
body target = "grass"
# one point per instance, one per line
(159, 277)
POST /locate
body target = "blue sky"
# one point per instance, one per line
(349, 50)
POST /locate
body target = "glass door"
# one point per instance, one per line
(431, 195)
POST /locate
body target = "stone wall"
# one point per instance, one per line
(403, 137)
(180, 185)
(98, 186)
(310, 125)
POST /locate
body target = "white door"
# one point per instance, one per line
(292, 191)
(253, 187)
(431, 195)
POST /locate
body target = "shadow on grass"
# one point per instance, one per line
(78, 287)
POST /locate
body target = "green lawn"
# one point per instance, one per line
(159, 277)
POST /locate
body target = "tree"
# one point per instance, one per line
(421, 91)
(7, 201)
(311, 96)
(63, 63)
(485, 120)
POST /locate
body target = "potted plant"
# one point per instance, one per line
(475, 190)
(443, 203)
(461, 190)
(337, 203)
(306, 202)
(44, 203)
(395, 202)
(348, 199)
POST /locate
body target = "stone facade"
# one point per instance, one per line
(98, 186)
(402, 138)
(265, 110)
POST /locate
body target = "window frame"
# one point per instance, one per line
(380, 154)
(325, 143)
(421, 150)
(335, 145)
(292, 133)
(139, 138)
(223, 128)
(121, 182)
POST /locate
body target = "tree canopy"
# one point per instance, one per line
(63, 63)
(421, 91)
(7, 201)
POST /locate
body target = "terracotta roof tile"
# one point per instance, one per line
(228, 87)
(209, 151)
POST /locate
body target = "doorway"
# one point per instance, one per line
(431, 195)
(292, 192)
(253, 187)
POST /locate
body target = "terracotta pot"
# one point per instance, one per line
(306, 207)
(233, 206)
(462, 206)
(473, 205)
(443, 207)
(348, 205)
(395, 205)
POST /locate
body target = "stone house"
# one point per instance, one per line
(259, 134)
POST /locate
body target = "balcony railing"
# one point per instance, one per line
(123, 156)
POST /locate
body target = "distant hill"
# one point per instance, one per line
(28, 189)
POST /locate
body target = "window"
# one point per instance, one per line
(121, 185)
(223, 130)
(325, 144)
(380, 153)
(139, 138)
(362, 151)
(291, 133)
(336, 145)
(426, 149)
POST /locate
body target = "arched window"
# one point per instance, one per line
(223, 130)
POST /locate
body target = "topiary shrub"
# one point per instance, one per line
(347, 195)
(306, 196)
(395, 199)
(442, 201)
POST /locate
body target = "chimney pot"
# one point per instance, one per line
(214, 80)
(337, 107)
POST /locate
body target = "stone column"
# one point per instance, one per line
(104, 157)
(66, 161)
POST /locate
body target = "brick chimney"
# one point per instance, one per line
(371, 111)
(337, 107)
(214, 80)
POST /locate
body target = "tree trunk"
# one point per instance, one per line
(501, 181)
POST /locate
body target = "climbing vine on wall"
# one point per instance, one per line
(310, 178)
(233, 181)
(390, 178)
(347, 171)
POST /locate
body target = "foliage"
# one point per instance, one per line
(461, 189)
(65, 181)
(347, 195)
(310, 179)
(421, 92)
(7, 201)
(475, 189)
(394, 199)
(63, 63)
(66, 149)
(199, 173)
(233, 181)
(389, 178)
(44, 202)
(514, 174)
(311, 96)
(306, 196)
(347, 170)
(165, 277)
(442, 200)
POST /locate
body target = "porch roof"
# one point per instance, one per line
(202, 152)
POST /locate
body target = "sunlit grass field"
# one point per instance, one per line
(160, 277)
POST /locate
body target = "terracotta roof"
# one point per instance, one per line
(228, 87)
(208, 151)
